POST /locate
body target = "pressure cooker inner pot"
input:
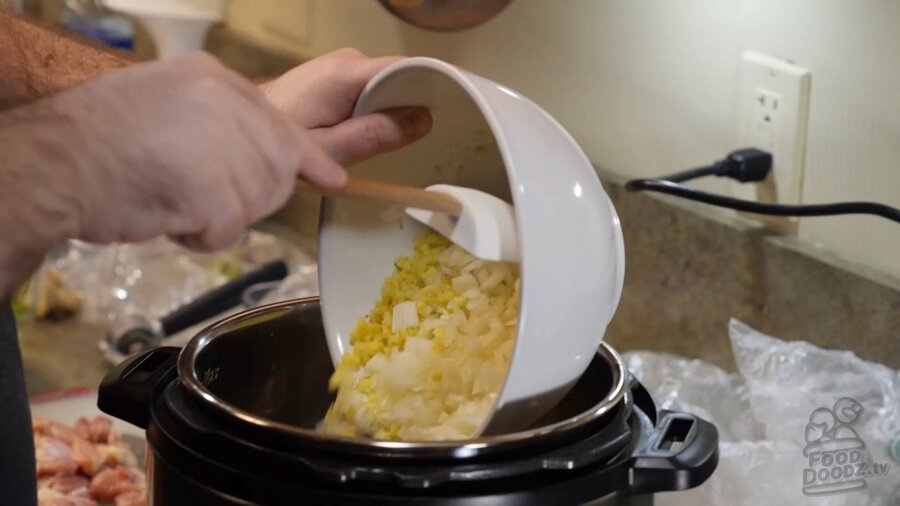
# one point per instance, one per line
(271, 367)
(274, 366)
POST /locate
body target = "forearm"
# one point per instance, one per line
(36, 211)
(36, 62)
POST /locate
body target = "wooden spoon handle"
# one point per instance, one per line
(407, 196)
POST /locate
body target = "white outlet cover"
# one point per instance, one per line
(774, 116)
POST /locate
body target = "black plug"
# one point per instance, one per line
(746, 165)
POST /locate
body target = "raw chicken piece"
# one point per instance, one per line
(97, 430)
(53, 456)
(39, 423)
(81, 493)
(133, 498)
(49, 497)
(109, 483)
(118, 454)
(53, 429)
(86, 455)
(64, 484)
(100, 428)
(68, 457)
(83, 428)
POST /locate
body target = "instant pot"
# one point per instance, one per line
(231, 419)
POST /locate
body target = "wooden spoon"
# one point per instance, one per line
(479, 222)
(406, 196)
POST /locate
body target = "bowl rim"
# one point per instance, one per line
(455, 448)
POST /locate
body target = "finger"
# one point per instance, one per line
(220, 233)
(322, 92)
(365, 70)
(202, 244)
(352, 65)
(359, 138)
(320, 168)
(292, 152)
(286, 151)
(349, 80)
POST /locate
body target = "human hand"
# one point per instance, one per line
(320, 96)
(182, 147)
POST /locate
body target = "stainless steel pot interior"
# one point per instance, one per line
(269, 367)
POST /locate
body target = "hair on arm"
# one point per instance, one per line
(36, 61)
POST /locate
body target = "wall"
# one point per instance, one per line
(648, 86)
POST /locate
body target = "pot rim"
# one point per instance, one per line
(455, 448)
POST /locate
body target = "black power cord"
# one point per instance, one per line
(748, 165)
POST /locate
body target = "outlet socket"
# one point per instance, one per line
(774, 116)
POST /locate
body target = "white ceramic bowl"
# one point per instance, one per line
(488, 137)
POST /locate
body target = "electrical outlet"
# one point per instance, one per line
(774, 117)
(766, 118)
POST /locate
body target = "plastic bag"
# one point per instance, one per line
(300, 284)
(797, 426)
(150, 279)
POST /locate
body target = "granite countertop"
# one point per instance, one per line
(61, 355)
(65, 354)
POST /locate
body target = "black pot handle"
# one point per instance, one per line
(220, 299)
(127, 391)
(681, 453)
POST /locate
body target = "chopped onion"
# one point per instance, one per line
(433, 372)
(404, 316)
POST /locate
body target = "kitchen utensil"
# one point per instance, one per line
(231, 420)
(407, 196)
(177, 27)
(487, 137)
(477, 221)
(141, 334)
